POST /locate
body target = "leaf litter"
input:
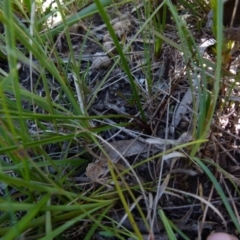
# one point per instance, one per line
(115, 95)
(128, 148)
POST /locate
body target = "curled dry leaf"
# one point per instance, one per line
(116, 149)
(100, 60)
(182, 108)
(122, 28)
(76, 28)
(97, 169)
(205, 44)
(126, 148)
(109, 46)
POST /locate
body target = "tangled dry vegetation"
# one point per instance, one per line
(156, 168)
(137, 150)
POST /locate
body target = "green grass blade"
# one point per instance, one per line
(22, 224)
(167, 225)
(82, 13)
(104, 16)
(219, 191)
(69, 223)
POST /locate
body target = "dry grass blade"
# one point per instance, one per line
(203, 201)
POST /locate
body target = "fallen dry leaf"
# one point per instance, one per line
(95, 170)
(182, 108)
(108, 46)
(100, 60)
(126, 148)
(122, 27)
